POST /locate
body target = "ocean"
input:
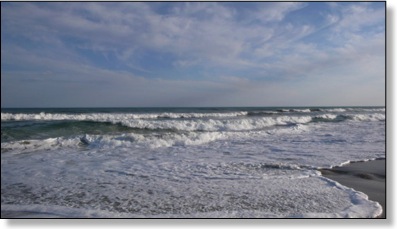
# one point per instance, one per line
(244, 162)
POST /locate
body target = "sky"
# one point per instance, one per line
(192, 54)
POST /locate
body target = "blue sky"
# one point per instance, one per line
(192, 54)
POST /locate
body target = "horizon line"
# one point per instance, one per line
(141, 107)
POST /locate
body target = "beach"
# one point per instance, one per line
(368, 177)
(233, 162)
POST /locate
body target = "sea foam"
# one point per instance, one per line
(253, 163)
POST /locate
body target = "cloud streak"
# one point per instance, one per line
(191, 50)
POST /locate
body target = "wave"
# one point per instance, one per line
(115, 116)
(262, 113)
(121, 116)
(355, 117)
(151, 141)
(48, 129)
(330, 118)
(116, 123)
(368, 117)
(131, 120)
(301, 110)
(217, 125)
(147, 139)
(333, 110)
(37, 130)
(358, 109)
(127, 140)
(367, 109)
(294, 110)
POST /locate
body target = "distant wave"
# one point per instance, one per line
(110, 117)
(130, 120)
(160, 133)
(115, 116)
(96, 123)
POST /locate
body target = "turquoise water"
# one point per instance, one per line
(65, 122)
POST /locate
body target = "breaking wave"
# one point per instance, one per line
(129, 140)
(115, 116)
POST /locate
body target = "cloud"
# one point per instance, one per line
(277, 11)
(200, 31)
(190, 53)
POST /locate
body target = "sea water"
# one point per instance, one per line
(186, 162)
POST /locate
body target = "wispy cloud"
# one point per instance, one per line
(219, 47)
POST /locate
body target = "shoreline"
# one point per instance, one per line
(368, 177)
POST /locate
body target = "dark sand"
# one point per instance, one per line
(367, 177)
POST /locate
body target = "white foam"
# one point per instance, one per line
(368, 117)
(356, 117)
(150, 121)
(234, 167)
(299, 128)
(363, 160)
(361, 206)
(302, 110)
(153, 141)
(215, 131)
(46, 211)
(217, 125)
(334, 110)
(313, 196)
(39, 145)
(378, 109)
(327, 116)
(114, 116)
(128, 140)
(367, 109)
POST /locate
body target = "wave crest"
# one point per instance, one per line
(115, 116)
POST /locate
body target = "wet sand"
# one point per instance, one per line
(367, 177)
(27, 215)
